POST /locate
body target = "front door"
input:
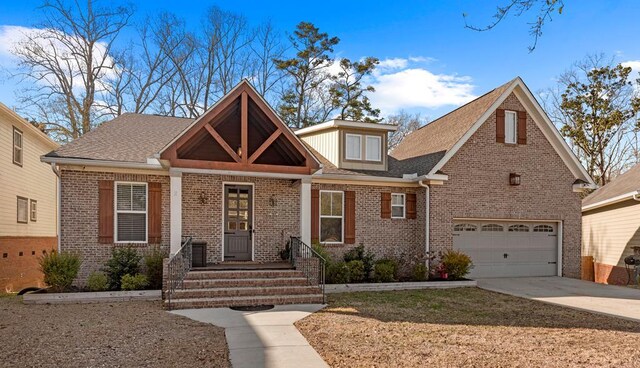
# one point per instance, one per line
(238, 222)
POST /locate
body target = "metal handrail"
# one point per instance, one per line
(299, 253)
(178, 267)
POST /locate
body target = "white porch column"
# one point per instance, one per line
(176, 211)
(305, 210)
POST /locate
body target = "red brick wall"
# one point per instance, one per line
(19, 261)
(478, 187)
(402, 239)
(608, 274)
(79, 217)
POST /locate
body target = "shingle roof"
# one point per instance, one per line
(437, 137)
(129, 138)
(623, 184)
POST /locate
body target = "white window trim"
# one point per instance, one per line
(515, 127)
(27, 210)
(404, 205)
(346, 150)
(379, 144)
(330, 216)
(21, 147)
(33, 213)
(116, 211)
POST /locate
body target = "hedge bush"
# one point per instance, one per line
(456, 263)
(337, 273)
(59, 269)
(356, 271)
(137, 282)
(153, 268)
(385, 270)
(366, 257)
(420, 272)
(97, 281)
(123, 261)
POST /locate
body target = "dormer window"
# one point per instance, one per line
(373, 147)
(510, 127)
(354, 147)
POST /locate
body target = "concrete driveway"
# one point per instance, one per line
(612, 300)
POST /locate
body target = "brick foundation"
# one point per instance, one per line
(19, 256)
(613, 275)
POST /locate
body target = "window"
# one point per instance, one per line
(519, 228)
(397, 205)
(465, 227)
(33, 213)
(17, 147)
(373, 148)
(354, 147)
(510, 127)
(492, 227)
(331, 219)
(23, 210)
(543, 229)
(131, 213)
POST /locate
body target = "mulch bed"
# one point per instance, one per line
(129, 334)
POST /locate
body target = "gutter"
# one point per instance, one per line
(56, 170)
(635, 195)
(101, 163)
(426, 222)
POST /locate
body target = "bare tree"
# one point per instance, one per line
(66, 59)
(407, 123)
(266, 47)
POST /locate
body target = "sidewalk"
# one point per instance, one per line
(263, 339)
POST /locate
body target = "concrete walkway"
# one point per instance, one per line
(617, 301)
(263, 339)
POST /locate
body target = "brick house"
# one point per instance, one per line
(493, 178)
(28, 202)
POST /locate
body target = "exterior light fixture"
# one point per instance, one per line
(239, 151)
(514, 179)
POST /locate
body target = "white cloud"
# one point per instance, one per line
(411, 85)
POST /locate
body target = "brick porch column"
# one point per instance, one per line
(176, 211)
(305, 210)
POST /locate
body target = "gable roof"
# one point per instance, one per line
(623, 187)
(127, 138)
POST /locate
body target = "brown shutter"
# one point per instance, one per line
(155, 213)
(500, 125)
(411, 205)
(522, 127)
(385, 205)
(105, 211)
(315, 216)
(349, 217)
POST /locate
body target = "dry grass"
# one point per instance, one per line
(136, 334)
(466, 327)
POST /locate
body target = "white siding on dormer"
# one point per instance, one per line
(327, 143)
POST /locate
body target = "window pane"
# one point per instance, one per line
(22, 210)
(231, 225)
(244, 215)
(139, 197)
(397, 211)
(232, 213)
(510, 127)
(397, 199)
(331, 230)
(124, 197)
(336, 204)
(233, 203)
(325, 204)
(244, 203)
(132, 227)
(354, 147)
(373, 148)
(242, 226)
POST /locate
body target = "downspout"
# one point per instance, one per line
(426, 223)
(636, 197)
(56, 170)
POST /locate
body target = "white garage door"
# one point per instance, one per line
(508, 249)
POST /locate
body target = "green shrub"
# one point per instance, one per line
(137, 282)
(123, 261)
(385, 270)
(420, 272)
(285, 253)
(59, 269)
(338, 273)
(356, 271)
(456, 263)
(358, 254)
(153, 268)
(322, 252)
(97, 281)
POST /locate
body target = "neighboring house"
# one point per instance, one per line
(28, 202)
(493, 178)
(611, 226)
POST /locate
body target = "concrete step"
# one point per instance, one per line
(246, 291)
(242, 274)
(220, 302)
(262, 282)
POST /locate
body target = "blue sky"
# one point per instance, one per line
(422, 42)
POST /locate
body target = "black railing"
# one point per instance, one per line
(304, 258)
(178, 267)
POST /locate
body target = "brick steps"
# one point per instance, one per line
(228, 288)
(245, 301)
(234, 283)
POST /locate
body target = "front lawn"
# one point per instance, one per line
(465, 328)
(132, 334)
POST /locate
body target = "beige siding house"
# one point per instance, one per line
(28, 203)
(611, 226)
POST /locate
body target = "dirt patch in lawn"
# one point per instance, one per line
(466, 327)
(135, 334)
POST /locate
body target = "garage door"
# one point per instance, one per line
(508, 249)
